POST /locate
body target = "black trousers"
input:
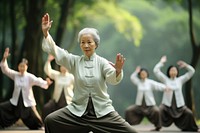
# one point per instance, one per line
(63, 121)
(134, 115)
(9, 114)
(182, 117)
(52, 105)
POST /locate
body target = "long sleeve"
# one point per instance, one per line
(184, 78)
(158, 86)
(49, 71)
(161, 76)
(110, 73)
(62, 57)
(134, 78)
(38, 81)
(7, 71)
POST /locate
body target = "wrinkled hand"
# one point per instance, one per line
(119, 63)
(182, 64)
(46, 24)
(163, 59)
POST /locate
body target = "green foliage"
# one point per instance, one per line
(106, 11)
(155, 27)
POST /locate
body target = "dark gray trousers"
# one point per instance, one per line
(63, 121)
(134, 115)
(52, 105)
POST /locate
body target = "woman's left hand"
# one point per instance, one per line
(49, 81)
(119, 63)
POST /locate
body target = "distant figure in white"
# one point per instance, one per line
(145, 105)
(173, 108)
(22, 104)
(63, 88)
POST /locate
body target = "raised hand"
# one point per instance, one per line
(119, 63)
(138, 68)
(181, 64)
(49, 81)
(50, 57)
(163, 59)
(6, 54)
(46, 24)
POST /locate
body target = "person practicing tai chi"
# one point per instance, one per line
(173, 108)
(91, 108)
(63, 88)
(145, 105)
(22, 105)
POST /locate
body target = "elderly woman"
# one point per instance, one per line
(91, 108)
(173, 108)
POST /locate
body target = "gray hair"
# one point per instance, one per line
(94, 32)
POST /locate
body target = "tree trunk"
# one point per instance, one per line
(3, 13)
(194, 61)
(31, 48)
(65, 10)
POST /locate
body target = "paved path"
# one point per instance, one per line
(142, 128)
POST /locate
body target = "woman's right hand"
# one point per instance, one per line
(46, 24)
(163, 59)
(50, 57)
(6, 54)
(138, 68)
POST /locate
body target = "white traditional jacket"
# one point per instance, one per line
(90, 74)
(174, 84)
(63, 82)
(145, 89)
(23, 83)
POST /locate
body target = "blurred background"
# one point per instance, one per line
(142, 30)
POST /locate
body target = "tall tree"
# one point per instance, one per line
(195, 57)
(31, 47)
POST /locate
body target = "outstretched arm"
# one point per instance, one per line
(157, 69)
(46, 24)
(4, 65)
(184, 78)
(6, 54)
(48, 69)
(134, 78)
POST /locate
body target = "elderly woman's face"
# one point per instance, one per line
(87, 44)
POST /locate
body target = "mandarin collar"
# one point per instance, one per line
(91, 57)
(23, 74)
(173, 78)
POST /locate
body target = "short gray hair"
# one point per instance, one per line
(94, 32)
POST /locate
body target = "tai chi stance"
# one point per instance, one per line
(63, 88)
(22, 104)
(173, 108)
(145, 105)
(91, 108)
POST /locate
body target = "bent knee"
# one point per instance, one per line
(48, 119)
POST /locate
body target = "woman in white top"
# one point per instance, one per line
(145, 105)
(173, 108)
(63, 88)
(91, 108)
(22, 104)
